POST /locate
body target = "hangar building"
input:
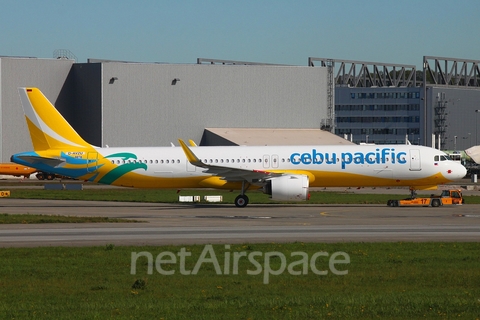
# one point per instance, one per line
(389, 103)
(153, 104)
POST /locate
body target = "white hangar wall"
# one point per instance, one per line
(47, 74)
(142, 105)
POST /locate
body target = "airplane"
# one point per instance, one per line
(284, 172)
(16, 170)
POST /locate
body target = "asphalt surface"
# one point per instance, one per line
(162, 224)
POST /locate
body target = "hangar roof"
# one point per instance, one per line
(272, 137)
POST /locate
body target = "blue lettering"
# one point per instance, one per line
(317, 157)
(402, 160)
(384, 154)
(347, 158)
(359, 158)
(380, 156)
(292, 158)
(333, 159)
(368, 159)
(306, 158)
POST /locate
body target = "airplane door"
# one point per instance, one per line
(415, 164)
(92, 161)
(266, 161)
(275, 161)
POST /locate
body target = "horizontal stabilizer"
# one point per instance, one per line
(52, 162)
(474, 153)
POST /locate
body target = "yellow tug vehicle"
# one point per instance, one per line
(448, 197)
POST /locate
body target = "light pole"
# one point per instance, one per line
(366, 139)
(476, 126)
(454, 143)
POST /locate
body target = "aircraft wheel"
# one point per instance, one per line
(40, 176)
(241, 201)
(435, 203)
(50, 176)
(395, 203)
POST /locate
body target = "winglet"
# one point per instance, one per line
(191, 157)
(192, 143)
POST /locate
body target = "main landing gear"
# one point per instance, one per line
(241, 200)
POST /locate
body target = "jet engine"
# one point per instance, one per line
(292, 187)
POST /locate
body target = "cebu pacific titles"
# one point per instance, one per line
(283, 172)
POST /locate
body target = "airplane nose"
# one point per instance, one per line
(460, 171)
(455, 171)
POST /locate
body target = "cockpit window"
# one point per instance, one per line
(442, 157)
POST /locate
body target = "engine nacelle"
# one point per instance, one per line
(292, 187)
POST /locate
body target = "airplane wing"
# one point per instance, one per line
(229, 174)
(33, 160)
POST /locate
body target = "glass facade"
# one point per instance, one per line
(378, 115)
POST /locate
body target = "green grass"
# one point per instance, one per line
(384, 281)
(6, 218)
(171, 196)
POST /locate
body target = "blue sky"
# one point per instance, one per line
(284, 32)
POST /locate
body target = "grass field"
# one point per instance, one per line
(384, 281)
(171, 196)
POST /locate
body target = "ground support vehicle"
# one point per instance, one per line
(448, 197)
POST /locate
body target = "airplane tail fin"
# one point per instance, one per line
(48, 128)
(474, 153)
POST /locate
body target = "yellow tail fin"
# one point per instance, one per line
(48, 128)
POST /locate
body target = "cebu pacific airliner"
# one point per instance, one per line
(283, 172)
